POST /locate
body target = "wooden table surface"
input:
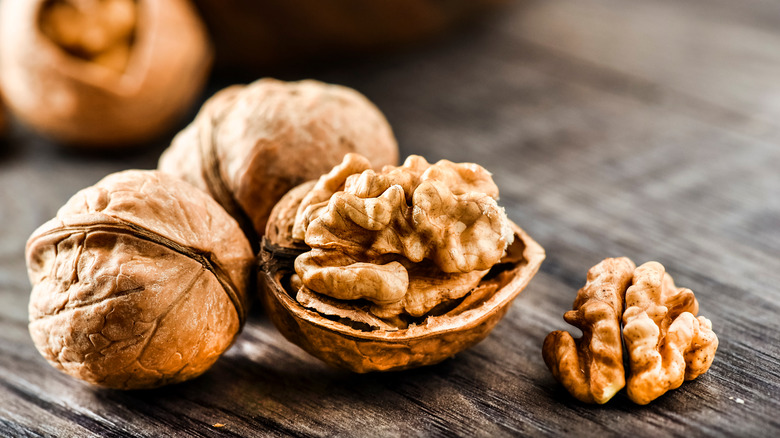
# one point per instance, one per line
(646, 129)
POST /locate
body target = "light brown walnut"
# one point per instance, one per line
(139, 281)
(251, 144)
(664, 341)
(100, 31)
(390, 270)
(102, 73)
(407, 239)
(591, 367)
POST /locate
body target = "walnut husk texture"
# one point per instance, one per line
(105, 72)
(250, 144)
(139, 281)
(356, 332)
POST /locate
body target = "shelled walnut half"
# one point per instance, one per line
(376, 271)
(101, 73)
(139, 281)
(665, 342)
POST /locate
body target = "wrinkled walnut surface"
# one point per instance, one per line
(101, 73)
(333, 336)
(665, 342)
(139, 281)
(591, 367)
(251, 144)
(352, 334)
(407, 239)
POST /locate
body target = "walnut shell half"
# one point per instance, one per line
(139, 281)
(99, 73)
(366, 346)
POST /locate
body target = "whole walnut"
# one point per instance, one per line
(102, 72)
(389, 270)
(250, 144)
(139, 281)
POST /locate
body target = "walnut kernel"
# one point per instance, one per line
(591, 367)
(394, 269)
(396, 236)
(665, 342)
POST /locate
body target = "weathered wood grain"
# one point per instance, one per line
(644, 129)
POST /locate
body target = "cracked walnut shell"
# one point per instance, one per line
(139, 281)
(251, 144)
(665, 342)
(99, 73)
(390, 270)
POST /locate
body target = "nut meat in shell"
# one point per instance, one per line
(103, 72)
(139, 281)
(364, 335)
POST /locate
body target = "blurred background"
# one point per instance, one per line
(640, 128)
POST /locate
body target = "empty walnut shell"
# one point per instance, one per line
(139, 281)
(121, 96)
(250, 144)
(344, 344)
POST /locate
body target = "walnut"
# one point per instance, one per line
(666, 343)
(102, 72)
(393, 269)
(591, 367)
(251, 144)
(100, 31)
(139, 281)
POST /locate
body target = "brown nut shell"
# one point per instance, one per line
(432, 340)
(251, 144)
(140, 281)
(86, 102)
